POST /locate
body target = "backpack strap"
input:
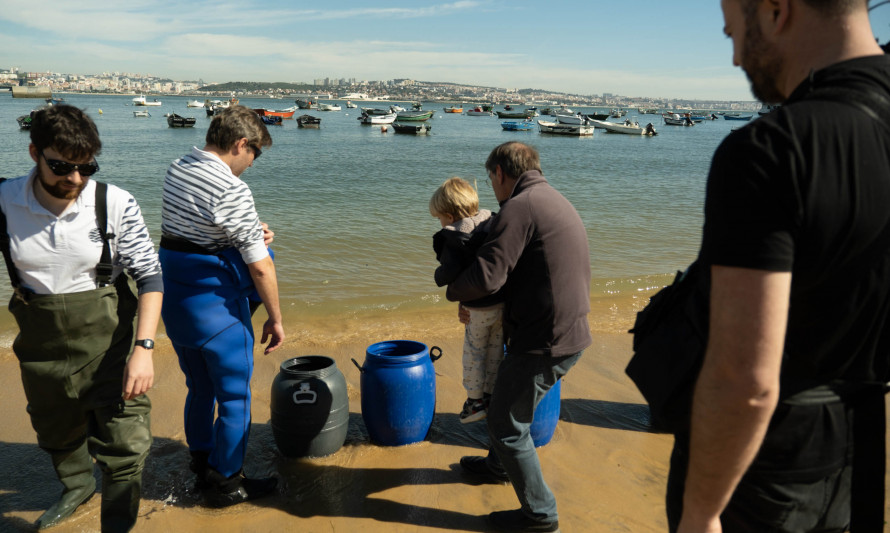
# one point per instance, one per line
(105, 268)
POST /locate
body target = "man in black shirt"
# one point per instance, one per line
(797, 238)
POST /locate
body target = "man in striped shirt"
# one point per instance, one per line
(76, 309)
(213, 250)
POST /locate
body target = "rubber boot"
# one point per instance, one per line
(75, 471)
(227, 491)
(198, 465)
(120, 503)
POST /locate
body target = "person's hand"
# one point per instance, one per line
(463, 314)
(275, 332)
(139, 374)
(268, 235)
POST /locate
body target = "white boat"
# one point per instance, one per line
(565, 129)
(626, 127)
(140, 100)
(397, 108)
(378, 119)
(676, 119)
(328, 107)
(766, 109)
(577, 119)
(350, 105)
(194, 103)
(141, 113)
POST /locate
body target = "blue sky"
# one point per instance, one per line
(658, 48)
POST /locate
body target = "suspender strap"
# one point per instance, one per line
(4, 245)
(105, 268)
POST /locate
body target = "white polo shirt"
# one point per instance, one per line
(58, 254)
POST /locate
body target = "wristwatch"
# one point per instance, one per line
(148, 344)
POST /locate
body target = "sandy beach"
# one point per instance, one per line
(606, 469)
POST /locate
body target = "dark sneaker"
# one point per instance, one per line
(518, 521)
(473, 410)
(478, 466)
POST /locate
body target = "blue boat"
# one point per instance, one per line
(271, 120)
(525, 125)
(734, 117)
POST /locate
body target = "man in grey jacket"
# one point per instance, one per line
(537, 252)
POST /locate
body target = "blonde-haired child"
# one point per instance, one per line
(464, 228)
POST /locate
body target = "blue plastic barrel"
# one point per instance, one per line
(546, 416)
(398, 388)
(310, 407)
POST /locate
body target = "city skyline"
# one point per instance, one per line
(646, 48)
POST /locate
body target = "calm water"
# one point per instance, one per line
(348, 203)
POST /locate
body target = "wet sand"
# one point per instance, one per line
(607, 470)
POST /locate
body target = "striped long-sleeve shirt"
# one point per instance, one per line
(58, 254)
(207, 205)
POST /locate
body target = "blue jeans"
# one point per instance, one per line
(522, 381)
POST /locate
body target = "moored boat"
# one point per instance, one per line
(141, 101)
(271, 120)
(479, 111)
(179, 121)
(141, 113)
(378, 119)
(417, 129)
(24, 122)
(515, 114)
(414, 116)
(308, 121)
(579, 130)
(627, 127)
(329, 107)
(675, 119)
(525, 125)
(453, 109)
(194, 103)
(727, 116)
(350, 105)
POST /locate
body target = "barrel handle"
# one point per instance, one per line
(305, 391)
(433, 356)
(360, 369)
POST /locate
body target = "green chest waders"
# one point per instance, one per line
(72, 349)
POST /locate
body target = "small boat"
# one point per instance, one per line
(308, 121)
(54, 100)
(727, 116)
(414, 116)
(283, 113)
(479, 112)
(627, 127)
(376, 111)
(141, 113)
(24, 122)
(303, 103)
(140, 100)
(675, 119)
(179, 121)
(579, 130)
(561, 110)
(597, 116)
(271, 120)
(577, 119)
(418, 129)
(617, 113)
(515, 114)
(378, 119)
(453, 109)
(329, 107)
(416, 106)
(766, 109)
(350, 105)
(397, 108)
(194, 103)
(525, 125)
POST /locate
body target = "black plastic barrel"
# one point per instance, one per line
(310, 407)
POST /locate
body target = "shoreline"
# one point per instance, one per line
(605, 467)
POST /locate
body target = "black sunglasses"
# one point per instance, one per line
(256, 152)
(63, 168)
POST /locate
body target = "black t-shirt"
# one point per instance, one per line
(806, 190)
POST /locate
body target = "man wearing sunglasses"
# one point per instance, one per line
(78, 316)
(213, 250)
